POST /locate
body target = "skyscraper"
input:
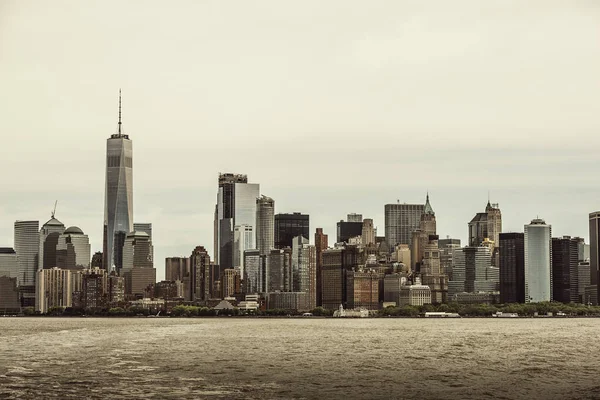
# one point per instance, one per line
(321, 244)
(400, 221)
(118, 203)
(368, 233)
(27, 246)
(512, 267)
(8, 262)
(486, 225)
(236, 206)
(288, 226)
(49, 234)
(265, 225)
(73, 250)
(595, 251)
(565, 259)
(138, 265)
(347, 230)
(538, 261)
(243, 239)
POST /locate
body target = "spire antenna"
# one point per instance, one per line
(119, 111)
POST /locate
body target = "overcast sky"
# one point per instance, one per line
(333, 107)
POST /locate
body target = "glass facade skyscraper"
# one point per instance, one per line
(27, 243)
(538, 261)
(118, 205)
(288, 226)
(400, 222)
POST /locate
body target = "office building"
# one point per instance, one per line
(594, 220)
(27, 246)
(512, 267)
(333, 279)
(138, 266)
(447, 247)
(288, 226)
(279, 270)
(321, 244)
(304, 269)
(9, 295)
(230, 283)
(204, 274)
(472, 271)
(368, 233)
(9, 265)
(243, 239)
(265, 225)
(49, 234)
(54, 288)
(565, 259)
(353, 217)
(177, 268)
(94, 293)
(428, 222)
(362, 289)
(254, 272)
(487, 224)
(145, 227)
(118, 203)
(400, 221)
(391, 287)
(431, 273)
(538, 261)
(116, 289)
(583, 282)
(73, 250)
(236, 206)
(347, 229)
(97, 260)
(298, 301)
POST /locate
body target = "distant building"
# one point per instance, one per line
(145, 227)
(138, 266)
(583, 281)
(118, 205)
(447, 247)
(538, 261)
(168, 290)
(304, 269)
(73, 250)
(288, 301)
(27, 245)
(594, 219)
(243, 239)
(321, 244)
(477, 298)
(204, 274)
(565, 260)
(512, 267)
(9, 265)
(415, 295)
(97, 260)
(116, 289)
(347, 230)
(486, 225)
(400, 221)
(279, 270)
(288, 226)
(265, 225)
(230, 283)
(353, 217)
(368, 233)
(333, 279)
(49, 234)
(54, 289)
(9, 295)
(362, 288)
(177, 268)
(94, 294)
(431, 273)
(391, 287)
(254, 272)
(472, 271)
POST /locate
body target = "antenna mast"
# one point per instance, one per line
(119, 111)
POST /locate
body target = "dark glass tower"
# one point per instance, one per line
(288, 226)
(118, 205)
(512, 267)
(565, 259)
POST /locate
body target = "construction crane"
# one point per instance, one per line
(54, 211)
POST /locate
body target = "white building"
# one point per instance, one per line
(243, 239)
(54, 288)
(415, 295)
(538, 261)
(73, 249)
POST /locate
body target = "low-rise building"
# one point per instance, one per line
(415, 295)
(288, 301)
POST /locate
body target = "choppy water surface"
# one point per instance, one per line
(230, 358)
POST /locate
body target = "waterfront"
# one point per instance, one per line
(227, 358)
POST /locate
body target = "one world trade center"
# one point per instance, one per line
(118, 201)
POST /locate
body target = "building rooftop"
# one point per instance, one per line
(7, 250)
(54, 222)
(73, 230)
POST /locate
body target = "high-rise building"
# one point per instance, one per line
(236, 206)
(265, 225)
(27, 246)
(138, 265)
(94, 293)
(177, 268)
(368, 233)
(565, 259)
(353, 217)
(400, 221)
(9, 266)
(49, 234)
(431, 273)
(116, 289)
(230, 283)
(447, 247)
(304, 269)
(279, 270)
(254, 274)
(204, 274)
(362, 288)
(538, 261)
(243, 239)
(583, 282)
(9, 295)
(333, 279)
(288, 226)
(73, 250)
(118, 203)
(97, 260)
(512, 267)
(54, 288)
(472, 272)
(145, 227)
(595, 251)
(321, 244)
(486, 225)
(347, 230)
(428, 223)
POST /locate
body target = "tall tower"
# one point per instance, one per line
(265, 225)
(27, 245)
(428, 222)
(538, 261)
(594, 251)
(321, 244)
(118, 203)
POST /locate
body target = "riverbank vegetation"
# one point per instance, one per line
(486, 310)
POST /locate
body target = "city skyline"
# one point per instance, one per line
(387, 108)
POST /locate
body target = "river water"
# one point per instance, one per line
(238, 358)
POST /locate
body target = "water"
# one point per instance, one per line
(235, 358)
